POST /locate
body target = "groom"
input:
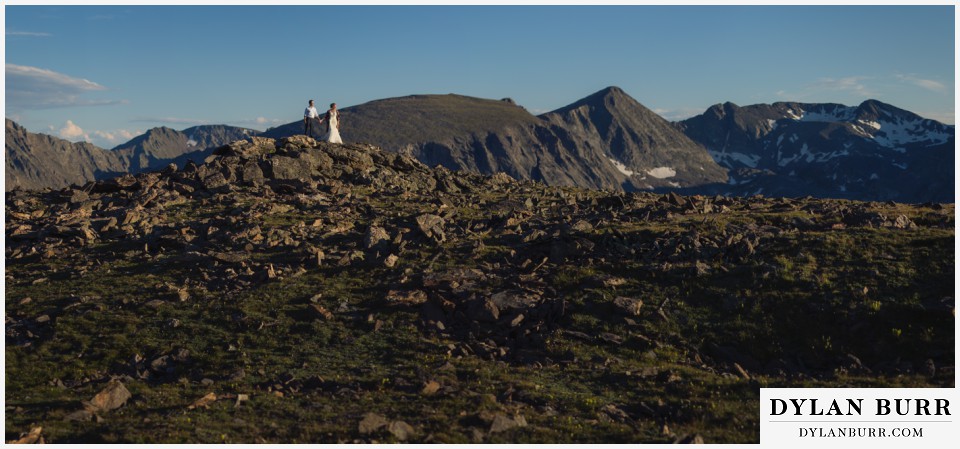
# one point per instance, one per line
(310, 116)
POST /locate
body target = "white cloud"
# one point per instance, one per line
(36, 88)
(259, 122)
(27, 34)
(127, 135)
(105, 135)
(677, 114)
(171, 120)
(116, 136)
(72, 132)
(848, 84)
(935, 86)
(830, 86)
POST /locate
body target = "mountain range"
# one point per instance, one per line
(36, 161)
(607, 140)
(873, 151)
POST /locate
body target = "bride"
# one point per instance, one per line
(333, 125)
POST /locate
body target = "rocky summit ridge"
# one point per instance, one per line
(316, 292)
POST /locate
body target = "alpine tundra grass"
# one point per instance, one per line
(295, 292)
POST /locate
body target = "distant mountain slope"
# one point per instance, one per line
(35, 161)
(873, 151)
(158, 146)
(211, 136)
(399, 122)
(635, 140)
(607, 140)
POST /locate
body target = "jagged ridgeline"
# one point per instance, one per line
(872, 151)
(291, 291)
(607, 140)
(37, 161)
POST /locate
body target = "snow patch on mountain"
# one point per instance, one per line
(869, 123)
(861, 132)
(809, 156)
(621, 167)
(662, 172)
(890, 131)
(891, 134)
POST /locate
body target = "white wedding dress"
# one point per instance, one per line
(333, 122)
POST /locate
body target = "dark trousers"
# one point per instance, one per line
(309, 125)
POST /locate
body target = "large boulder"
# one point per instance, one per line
(431, 226)
(251, 173)
(297, 142)
(247, 148)
(350, 157)
(316, 159)
(285, 167)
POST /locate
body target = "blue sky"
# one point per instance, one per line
(106, 73)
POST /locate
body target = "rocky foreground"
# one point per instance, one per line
(293, 291)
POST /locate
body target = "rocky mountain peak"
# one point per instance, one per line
(608, 100)
(609, 93)
(722, 110)
(643, 147)
(876, 110)
(12, 125)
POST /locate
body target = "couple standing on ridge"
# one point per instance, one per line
(311, 116)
